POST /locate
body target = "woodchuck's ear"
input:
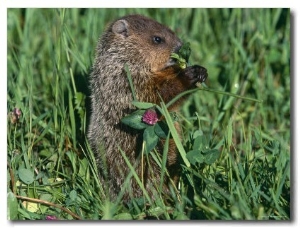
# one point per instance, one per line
(121, 27)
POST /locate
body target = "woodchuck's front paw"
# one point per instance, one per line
(194, 74)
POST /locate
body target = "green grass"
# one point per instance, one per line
(51, 170)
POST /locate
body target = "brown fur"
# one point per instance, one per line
(134, 40)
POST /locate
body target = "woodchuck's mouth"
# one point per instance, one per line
(171, 62)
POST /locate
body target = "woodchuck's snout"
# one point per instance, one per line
(145, 46)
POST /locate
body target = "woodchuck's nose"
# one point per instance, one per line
(177, 47)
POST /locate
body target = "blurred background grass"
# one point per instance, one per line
(246, 52)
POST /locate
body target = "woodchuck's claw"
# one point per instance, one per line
(196, 74)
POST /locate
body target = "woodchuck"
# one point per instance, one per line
(145, 46)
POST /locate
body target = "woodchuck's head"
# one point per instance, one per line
(142, 43)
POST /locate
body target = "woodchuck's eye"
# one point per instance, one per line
(158, 40)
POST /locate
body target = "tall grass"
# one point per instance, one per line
(51, 170)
